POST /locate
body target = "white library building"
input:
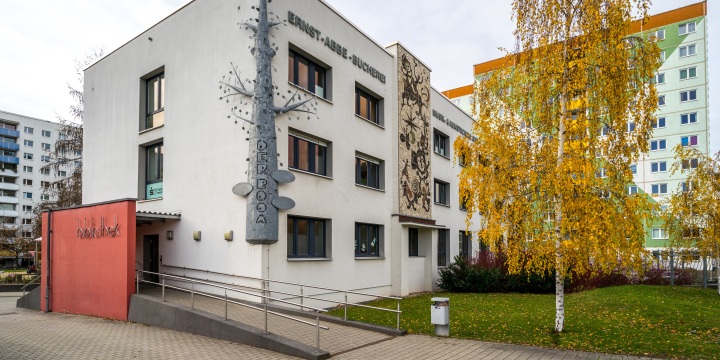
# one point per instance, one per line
(374, 203)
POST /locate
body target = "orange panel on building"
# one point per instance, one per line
(90, 266)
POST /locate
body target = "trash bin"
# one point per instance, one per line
(440, 315)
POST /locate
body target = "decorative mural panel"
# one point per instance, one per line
(415, 134)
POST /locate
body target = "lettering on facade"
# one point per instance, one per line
(334, 46)
(449, 123)
(261, 183)
(87, 229)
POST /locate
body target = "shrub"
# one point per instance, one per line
(487, 272)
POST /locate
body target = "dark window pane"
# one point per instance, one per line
(413, 244)
(290, 237)
(373, 240)
(302, 238)
(373, 111)
(291, 68)
(291, 151)
(362, 106)
(303, 159)
(363, 239)
(319, 238)
(303, 74)
(320, 167)
(319, 82)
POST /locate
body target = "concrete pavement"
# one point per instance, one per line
(27, 334)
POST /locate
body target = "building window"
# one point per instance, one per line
(46, 133)
(45, 197)
(413, 242)
(27, 182)
(154, 172)
(685, 187)
(659, 123)
(27, 221)
(658, 145)
(27, 195)
(688, 50)
(441, 144)
(657, 35)
(630, 127)
(307, 74)
(368, 172)
(26, 234)
(44, 184)
(45, 146)
(307, 154)
(658, 189)
(689, 164)
(45, 171)
(28, 143)
(27, 169)
(662, 56)
(27, 156)
(29, 130)
(367, 240)
(658, 233)
(688, 95)
(44, 158)
(155, 105)
(661, 100)
(367, 106)
(442, 193)
(633, 169)
(465, 245)
(660, 166)
(603, 131)
(61, 173)
(27, 208)
(686, 28)
(443, 247)
(659, 78)
(305, 237)
(689, 118)
(688, 73)
(601, 173)
(691, 140)
(632, 189)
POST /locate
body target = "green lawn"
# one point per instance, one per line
(636, 320)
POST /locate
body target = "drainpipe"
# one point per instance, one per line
(47, 271)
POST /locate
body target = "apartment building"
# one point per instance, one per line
(683, 115)
(25, 143)
(375, 189)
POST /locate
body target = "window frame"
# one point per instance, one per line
(658, 167)
(661, 100)
(313, 67)
(443, 247)
(152, 115)
(314, 145)
(29, 130)
(378, 232)
(312, 254)
(689, 140)
(687, 71)
(374, 116)
(658, 142)
(688, 118)
(441, 144)
(379, 173)
(413, 242)
(160, 167)
(46, 133)
(657, 189)
(687, 49)
(658, 77)
(661, 234)
(441, 194)
(689, 164)
(683, 29)
(465, 245)
(28, 143)
(632, 189)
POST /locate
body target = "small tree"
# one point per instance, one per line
(549, 168)
(12, 240)
(693, 213)
(66, 155)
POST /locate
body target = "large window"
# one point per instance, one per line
(658, 145)
(413, 242)
(307, 74)
(660, 166)
(305, 237)
(661, 100)
(46, 133)
(686, 28)
(441, 143)
(691, 140)
(367, 106)
(689, 118)
(368, 172)
(689, 164)
(659, 123)
(154, 172)
(658, 189)
(367, 240)
(442, 247)
(657, 35)
(688, 73)
(688, 50)
(465, 245)
(442, 192)
(658, 233)
(155, 105)
(307, 154)
(688, 95)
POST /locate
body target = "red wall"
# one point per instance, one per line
(94, 274)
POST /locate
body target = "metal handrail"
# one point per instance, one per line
(345, 303)
(28, 284)
(225, 298)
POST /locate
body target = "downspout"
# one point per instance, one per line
(47, 272)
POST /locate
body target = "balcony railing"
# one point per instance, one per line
(9, 159)
(9, 133)
(9, 146)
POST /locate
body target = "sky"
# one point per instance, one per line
(41, 39)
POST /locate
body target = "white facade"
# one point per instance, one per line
(205, 152)
(25, 144)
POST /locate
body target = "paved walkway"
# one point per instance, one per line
(27, 334)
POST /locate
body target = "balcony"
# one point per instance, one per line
(8, 173)
(9, 159)
(9, 133)
(9, 186)
(9, 146)
(8, 200)
(8, 213)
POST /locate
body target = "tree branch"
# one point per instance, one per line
(241, 90)
(293, 107)
(251, 26)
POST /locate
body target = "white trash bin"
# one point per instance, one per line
(440, 315)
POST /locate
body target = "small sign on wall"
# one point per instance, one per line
(154, 191)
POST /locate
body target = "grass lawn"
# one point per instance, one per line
(659, 321)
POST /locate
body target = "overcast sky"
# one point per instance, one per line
(39, 39)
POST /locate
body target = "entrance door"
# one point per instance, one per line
(151, 250)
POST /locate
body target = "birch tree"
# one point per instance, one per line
(693, 212)
(558, 126)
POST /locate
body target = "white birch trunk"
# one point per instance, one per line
(559, 302)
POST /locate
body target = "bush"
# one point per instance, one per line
(487, 272)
